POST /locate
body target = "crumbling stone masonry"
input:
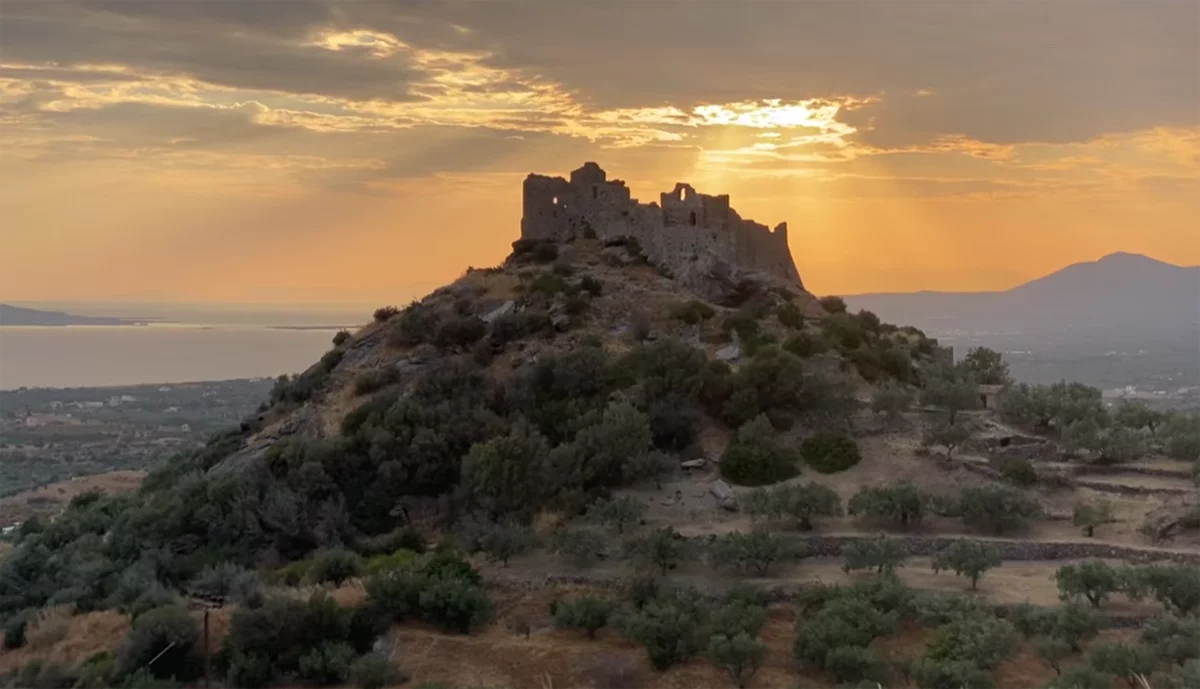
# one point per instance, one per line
(688, 233)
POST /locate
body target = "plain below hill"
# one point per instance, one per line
(1120, 290)
(17, 315)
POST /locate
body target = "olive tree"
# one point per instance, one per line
(1093, 580)
(967, 558)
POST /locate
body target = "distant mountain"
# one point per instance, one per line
(17, 315)
(1121, 291)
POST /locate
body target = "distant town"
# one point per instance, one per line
(49, 435)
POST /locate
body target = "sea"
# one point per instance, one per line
(172, 347)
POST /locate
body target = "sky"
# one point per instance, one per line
(318, 151)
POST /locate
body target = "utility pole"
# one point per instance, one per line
(206, 602)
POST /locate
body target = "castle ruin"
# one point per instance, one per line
(688, 233)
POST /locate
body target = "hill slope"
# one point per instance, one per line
(1117, 292)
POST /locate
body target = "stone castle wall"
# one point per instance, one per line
(685, 228)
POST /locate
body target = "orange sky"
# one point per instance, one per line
(367, 152)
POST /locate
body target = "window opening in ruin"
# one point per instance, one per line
(692, 218)
(683, 194)
(554, 200)
(594, 192)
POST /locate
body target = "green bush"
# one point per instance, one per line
(967, 558)
(326, 664)
(997, 509)
(672, 629)
(853, 664)
(1175, 586)
(881, 554)
(501, 542)
(692, 312)
(800, 502)
(335, 566)
(384, 313)
(341, 338)
(833, 304)
(618, 512)
(790, 315)
(588, 613)
(1094, 580)
(806, 344)
(459, 334)
(165, 635)
(755, 457)
(1020, 472)
(740, 655)
(663, 549)
(951, 674)
(1089, 515)
(373, 671)
(750, 552)
(229, 581)
(14, 629)
(1172, 637)
(375, 379)
(903, 503)
(829, 453)
(400, 559)
(455, 604)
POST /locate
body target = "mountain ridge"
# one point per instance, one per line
(1117, 291)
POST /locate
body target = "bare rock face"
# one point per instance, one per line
(724, 495)
(501, 310)
(693, 463)
(1178, 514)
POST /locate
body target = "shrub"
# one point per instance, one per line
(1124, 661)
(755, 551)
(1019, 471)
(967, 558)
(671, 629)
(692, 312)
(739, 655)
(373, 671)
(588, 613)
(801, 502)
(892, 401)
(852, 663)
(902, 503)
(1175, 586)
(14, 629)
(1173, 638)
(335, 566)
(844, 621)
(1093, 580)
(1074, 623)
(997, 509)
(455, 604)
(833, 304)
(745, 615)
(328, 663)
(503, 541)
(618, 512)
(375, 379)
(662, 548)
(459, 334)
(790, 316)
(829, 453)
(341, 337)
(948, 436)
(881, 554)
(755, 457)
(1091, 514)
(951, 674)
(591, 285)
(166, 636)
(384, 313)
(509, 474)
(806, 344)
(983, 640)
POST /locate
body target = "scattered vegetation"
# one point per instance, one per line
(830, 453)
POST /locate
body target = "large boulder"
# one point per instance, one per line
(724, 495)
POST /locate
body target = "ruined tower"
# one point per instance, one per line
(687, 232)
